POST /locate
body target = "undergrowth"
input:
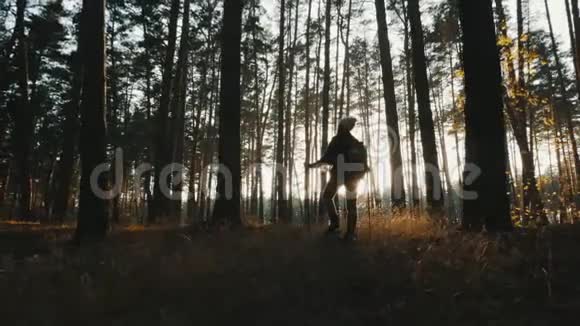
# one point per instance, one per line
(401, 271)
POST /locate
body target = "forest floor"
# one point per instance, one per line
(401, 272)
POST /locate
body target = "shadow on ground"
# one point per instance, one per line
(403, 272)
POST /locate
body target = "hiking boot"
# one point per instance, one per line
(349, 237)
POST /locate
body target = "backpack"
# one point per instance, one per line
(357, 153)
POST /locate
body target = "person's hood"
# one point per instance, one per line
(346, 125)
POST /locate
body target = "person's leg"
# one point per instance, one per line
(328, 202)
(351, 196)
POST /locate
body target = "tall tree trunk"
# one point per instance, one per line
(573, 43)
(316, 148)
(113, 103)
(261, 213)
(397, 181)
(415, 197)
(455, 114)
(92, 216)
(149, 154)
(576, 39)
(178, 110)
(516, 108)
(259, 106)
(336, 56)
(162, 152)
(227, 206)
(67, 159)
(279, 178)
(562, 86)
(213, 118)
(326, 88)
(307, 117)
(367, 126)
(441, 133)
(521, 48)
(535, 204)
(23, 115)
(194, 166)
(432, 176)
(485, 128)
(346, 65)
(289, 148)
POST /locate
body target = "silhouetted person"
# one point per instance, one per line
(348, 158)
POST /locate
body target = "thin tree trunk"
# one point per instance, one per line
(415, 197)
(23, 116)
(516, 109)
(289, 130)
(178, 110)
(307, 118)
(71, 126)
(337, 54)
(576, 39)
(162, 153)
(346, 65)
(561, 81)
(444, 159)
(432, 179)
(279, 178)
(326, 88)
(397, 179)
(573, 44)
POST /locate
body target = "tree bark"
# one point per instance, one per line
(397, 181)
(162, 153)
(279, 178)
(516, 108)
(307, 117)
(346, 65)
(23, 115)
(71, 126)
(576, 39)
(289, 148)
(326, 89)
(562, 86)
(93, 217)
(178, 108)
(572, 36)
(227, 206)
(433, 187)
(485, 128)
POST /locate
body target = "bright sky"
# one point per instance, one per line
(537, 11)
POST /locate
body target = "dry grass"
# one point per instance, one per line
(402, 271)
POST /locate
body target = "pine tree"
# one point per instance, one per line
(426, 125)
(485, 128)
(162, 154)
(396, 161)
(227, 206)
(92, 216)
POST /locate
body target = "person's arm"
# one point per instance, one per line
(329, 156)
(331, 153)
(314, 165)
